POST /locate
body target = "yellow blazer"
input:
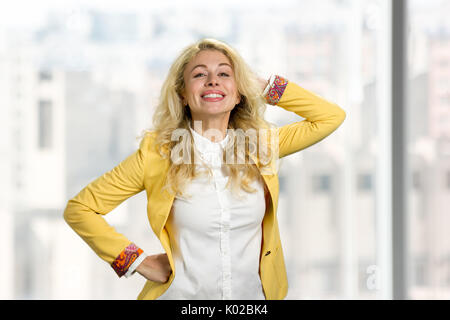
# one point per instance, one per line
(145, 170)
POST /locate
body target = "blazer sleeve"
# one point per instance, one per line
(84, 213)
(321, 116)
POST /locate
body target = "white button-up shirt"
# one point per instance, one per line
(215, 237)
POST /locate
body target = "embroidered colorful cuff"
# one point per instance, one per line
(273, 93)
(125, 259)
(269, 84)
(135, 264)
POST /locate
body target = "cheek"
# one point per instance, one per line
(193, 91)
(236, 94)
(232, 88)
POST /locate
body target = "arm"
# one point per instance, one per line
(84, 213)
(321, 116)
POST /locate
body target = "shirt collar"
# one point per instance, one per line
(203, 144)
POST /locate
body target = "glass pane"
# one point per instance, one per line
(328, 213)
(429, 149)
(45, 124)
(107, 65)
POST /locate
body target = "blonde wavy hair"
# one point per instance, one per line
(171, 115)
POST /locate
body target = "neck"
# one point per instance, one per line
(213, 129)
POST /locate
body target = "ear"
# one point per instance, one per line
(239, 98)
(183, 98)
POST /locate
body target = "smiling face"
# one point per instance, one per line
(210, 85)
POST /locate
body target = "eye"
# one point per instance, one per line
(220, 74)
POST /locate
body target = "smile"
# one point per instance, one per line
(213, 97)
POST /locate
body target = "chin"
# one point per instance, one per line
(215, 110)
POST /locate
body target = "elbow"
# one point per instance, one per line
(343, 115)
(69, 214)
(76, 212)
(340, 114)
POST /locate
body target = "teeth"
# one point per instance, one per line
(213, 95)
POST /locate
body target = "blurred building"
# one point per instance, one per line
(79, 91)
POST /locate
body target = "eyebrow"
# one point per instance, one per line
(204, 66)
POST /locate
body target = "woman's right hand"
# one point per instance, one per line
(155, 268)
(263, 83)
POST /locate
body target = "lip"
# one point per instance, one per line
(213, 99)
(213, 91)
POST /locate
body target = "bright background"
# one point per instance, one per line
(79, 81)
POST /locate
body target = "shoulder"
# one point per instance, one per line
(150, 146)
(148, 138)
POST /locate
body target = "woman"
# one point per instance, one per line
(208, 171)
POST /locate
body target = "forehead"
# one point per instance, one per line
(208, 57)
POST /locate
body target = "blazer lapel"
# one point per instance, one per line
(164, 199)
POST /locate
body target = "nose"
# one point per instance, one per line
(212, 80)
